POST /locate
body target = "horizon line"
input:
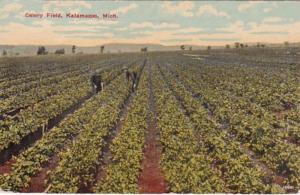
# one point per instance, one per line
(165, 45)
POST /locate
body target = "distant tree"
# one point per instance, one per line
(182, 47)
(102, 49)
(60, 51)
(73, 49)
(4, 53)
(237, 45)
(246, 45)
(41, 50)
(208, 48)
(190, 48)
(262, 45)
(227, 46)
(144, 49)
(17, 53)
(241, 45)
(286, 43)
(258, 45)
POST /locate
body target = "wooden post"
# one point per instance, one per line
(43, 130)
(48, 188)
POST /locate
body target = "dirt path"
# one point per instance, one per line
(280, 115)
(105, 157)
(37, 184)
(276, 179)
(151, 179)
(5, 167)
(30, 139)
(268, 173)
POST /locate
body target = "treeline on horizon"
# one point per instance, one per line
(41, 50)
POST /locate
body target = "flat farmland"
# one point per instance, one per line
(207, 121)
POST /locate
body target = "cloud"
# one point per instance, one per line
(65, 4)
(270, 7)
(141, 29)
(175, 40)
(269, 32)
(273, 27)
(153, 26)
(121, 29)
(264, 32)
(267, 10)
(14, 33)
(182, 8)
(6, 10)
(142, 32)
(275, 4)
(246, 6)
(220, 39)
(91, 35)
(209, 10)
(272, 20)
(68, 29)
(125, 9)
(103, 23)
(189, 30)
(237, 26)
(17, 33)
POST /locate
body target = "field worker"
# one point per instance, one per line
(97, 82)
(128, 75)
(134, 80)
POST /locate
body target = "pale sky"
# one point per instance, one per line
(168, 23)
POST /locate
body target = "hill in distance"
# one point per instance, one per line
(28, 50)
(25, 50)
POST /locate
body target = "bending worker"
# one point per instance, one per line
(134, 80)
(97, 83)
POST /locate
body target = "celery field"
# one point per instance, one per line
(206, 121)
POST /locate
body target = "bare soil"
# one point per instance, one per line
(151, 179)
(6, 167)
(37, 183)
(105, 157)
